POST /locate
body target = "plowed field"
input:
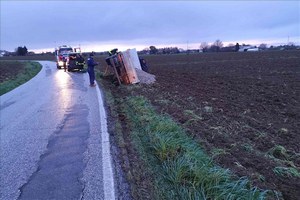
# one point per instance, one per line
(244, 108)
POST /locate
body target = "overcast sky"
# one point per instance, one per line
(102, 25)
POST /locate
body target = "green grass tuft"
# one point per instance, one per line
(286, 172)
(279, 152)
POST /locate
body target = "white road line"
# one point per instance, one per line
(108, 178)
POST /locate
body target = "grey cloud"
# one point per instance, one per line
(40, 24)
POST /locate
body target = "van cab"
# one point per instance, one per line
(62, 53)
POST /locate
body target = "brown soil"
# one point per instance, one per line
(239, 106)
(10, 69)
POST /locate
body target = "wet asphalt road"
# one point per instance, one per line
(54, 142)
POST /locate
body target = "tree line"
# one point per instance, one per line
(217, 46)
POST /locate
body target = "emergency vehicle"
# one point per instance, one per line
(62, 54)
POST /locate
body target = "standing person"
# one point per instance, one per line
(143, 64)
(65, 63)
(91, 64)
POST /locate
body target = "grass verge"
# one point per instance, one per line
(17, 73)
(180, 167)
(26, 71)
(176, 165)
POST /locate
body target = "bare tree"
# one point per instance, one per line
(218, 43)
(204, 46)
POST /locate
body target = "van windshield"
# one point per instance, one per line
(62, 50)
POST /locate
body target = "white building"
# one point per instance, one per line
(248, 48)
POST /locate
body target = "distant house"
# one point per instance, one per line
(193, 51)
(30, 53)
(248, 48)
(3, 53)
(253, 49)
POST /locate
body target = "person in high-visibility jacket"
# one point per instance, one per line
(91, 64)
(64, 59)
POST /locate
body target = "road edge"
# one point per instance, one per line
(108, 177)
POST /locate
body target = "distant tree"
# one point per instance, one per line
(290, 46)
(145, 51)
(263, 46)
(175, 50)
(25, 50)
(218, 44)
(237, 47)
(204, 46)
(153, 50)
(214, 48)
(170, 50)
(21, 51)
